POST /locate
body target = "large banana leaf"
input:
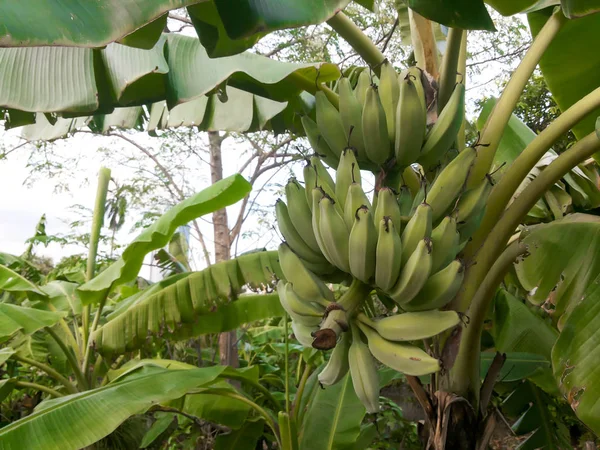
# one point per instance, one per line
(243, 439)
(80, 81)
(570, 65)
(83, 24)
(571, 8)
(575, 357)
(79, 420)
(11, 281)
(28, 320)
(211, 407)
(467, 14)
(197, 303)
(563, 262)
(530, 407)
(563, 271)
(332, 418)
(217, 196)
(242, 112)
(517, 329)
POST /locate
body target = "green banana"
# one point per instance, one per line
(362, 245)
(411, 124)
(388, 255)
(473, 201)
(303, 333)
(338, 365)
(417, 229)
(347, 173)
(310, 182)
(412, 326)
(389, 92)
(363, 372)
(322, 175)
(363, 83)
(334, 234)
(377, 144)
(300, 214)
(299, 305)
(317, 141)
(355, 198)
(405, 358)
(444, 240)
(292, 237)
(440, 288)
(416, 75)
(351, 113)
(414, 274)
(307, 284)
(387, 206)
(450, 182)
(287, 298)
(330, 124)
(443, 133)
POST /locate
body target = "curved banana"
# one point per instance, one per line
(444, 240)
(473, 201)
(417, 229)
(347, 173)
(317, 141)
(310, 182)
(416, 74)
(300, 214)
(375, 133)
(412, 326)
(330, 124)
(355, 198)
(363, 372)
(388, 255)
(450, 182)
(443, 133)
(291, 235)
(362, 245)
(411, 124)
(387, 206)
(414, 274)
(334, 234)
(363, 83)
(303, 334)
(389, 92)
(338, 365)
(287, 298)
(404, 358)
(351, 113)
(307, 284)
(439, 289)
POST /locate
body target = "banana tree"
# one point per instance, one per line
(382, 251)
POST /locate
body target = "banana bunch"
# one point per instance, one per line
(385, 123)
(404, 243)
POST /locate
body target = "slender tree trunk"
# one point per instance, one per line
(228, 340)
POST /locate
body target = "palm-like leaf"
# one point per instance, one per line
(217, 196)
(197, 303)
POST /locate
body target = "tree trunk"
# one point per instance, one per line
(227, 341)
